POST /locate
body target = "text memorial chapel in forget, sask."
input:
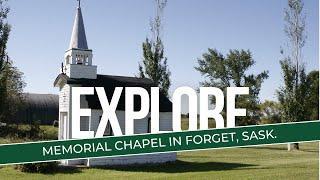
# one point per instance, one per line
(79, 71)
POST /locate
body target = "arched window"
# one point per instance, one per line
(68, 60)
(86, 60)
(79, 59)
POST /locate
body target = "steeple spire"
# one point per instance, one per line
(78, 37)
(78, 58)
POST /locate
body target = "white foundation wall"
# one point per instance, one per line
(133, 159)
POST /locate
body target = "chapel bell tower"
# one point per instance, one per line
(78, 58)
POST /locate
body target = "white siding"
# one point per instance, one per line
(81, 71)
(140, 126)
(64, 107)
(64, 97)
(165, 119)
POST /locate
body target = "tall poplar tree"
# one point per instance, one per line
(4, 36)
(291, 93)
(154, 63)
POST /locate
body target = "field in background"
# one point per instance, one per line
(267, 162)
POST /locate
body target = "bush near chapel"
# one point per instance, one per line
(46, 167)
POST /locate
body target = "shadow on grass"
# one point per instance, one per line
(179, 167)
(284, 149)
(59, 170)
(309, 150)
(267, 147)
(64, 170)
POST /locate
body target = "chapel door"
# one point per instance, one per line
(63, 125)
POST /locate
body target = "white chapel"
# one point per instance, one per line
(78, 70)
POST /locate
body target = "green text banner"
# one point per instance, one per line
(160, 143)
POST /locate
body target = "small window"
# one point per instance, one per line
(84, 123)
(109, 131)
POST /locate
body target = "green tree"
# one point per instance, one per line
(4, 35)
(270, 112)
(154, 63)
(11, 79)
(312, 95)
(223, 72)
(291, 94)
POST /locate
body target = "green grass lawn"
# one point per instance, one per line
(267, 162)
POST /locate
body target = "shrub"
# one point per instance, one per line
(35, 129)
(46, 167)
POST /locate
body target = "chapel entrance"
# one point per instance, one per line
(63, 125)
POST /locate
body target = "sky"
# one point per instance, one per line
(41, 31)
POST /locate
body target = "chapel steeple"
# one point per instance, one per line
(78, 57)
(78, 37)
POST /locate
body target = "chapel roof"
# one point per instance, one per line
(110, 82)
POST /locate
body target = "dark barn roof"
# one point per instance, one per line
(38, 107)
(110, 83)
(41, 100)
